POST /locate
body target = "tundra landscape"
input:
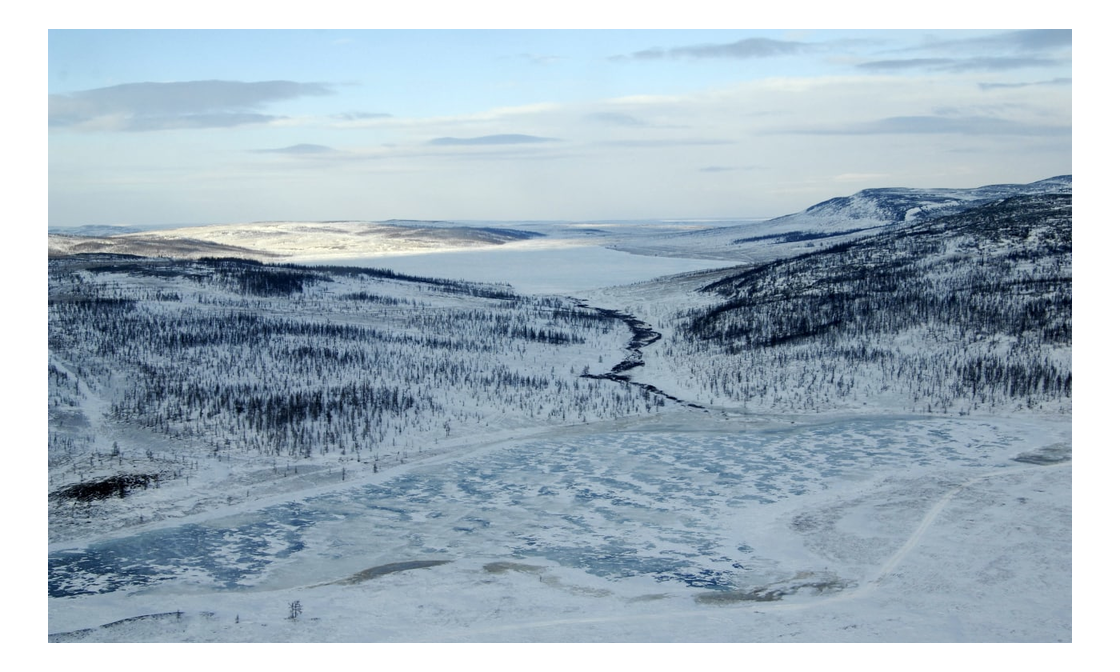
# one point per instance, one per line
(859, 432)
(572, 336)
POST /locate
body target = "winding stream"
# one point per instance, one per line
(642, 335)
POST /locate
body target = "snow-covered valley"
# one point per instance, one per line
(242, 452)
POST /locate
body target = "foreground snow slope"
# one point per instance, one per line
(686, 527)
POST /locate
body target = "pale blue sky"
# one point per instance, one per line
(157, 127)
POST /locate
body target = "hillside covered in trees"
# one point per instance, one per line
(963, 313)
(159, 367)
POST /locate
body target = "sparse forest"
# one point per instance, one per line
(969, 312)
(284, 370)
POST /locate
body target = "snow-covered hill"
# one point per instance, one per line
(269, 241)
(954, 314)
(835, 220)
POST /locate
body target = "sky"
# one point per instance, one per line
(156, 127)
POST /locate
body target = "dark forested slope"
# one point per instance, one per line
(160, 370)
(965, 312)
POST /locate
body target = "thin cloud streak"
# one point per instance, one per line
(752, 47)
(152, 106)
(929, 124)
(668, 142)
(302, 148)
(358, 116)
(500, 139)
(615, 119)
(978, 64)
(1029, 41)
(1057, 81)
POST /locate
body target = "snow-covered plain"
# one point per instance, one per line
(686, 525)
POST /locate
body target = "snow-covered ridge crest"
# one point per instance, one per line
(838, 219)
(285, 240)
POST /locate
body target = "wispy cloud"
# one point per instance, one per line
(501, 139)
(907, 64)
(152, 106)
(932, 124)
(299, 149)
(1022, 41)
(541, 59)
(979, 64)
(1057, 81)
(615, 119)
(667, 142)
(1010, 50)
(751, 47)
(360, 116)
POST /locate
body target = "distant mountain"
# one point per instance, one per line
(838, 219)
(96, 230)
(890, 206)
(176, 248)
(272, 241)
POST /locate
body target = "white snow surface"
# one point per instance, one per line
(685, 525)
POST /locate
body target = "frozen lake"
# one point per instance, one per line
(535, 267)
(686, 507)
